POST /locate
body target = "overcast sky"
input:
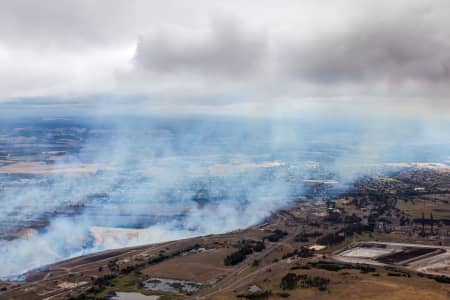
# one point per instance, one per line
(231, 56)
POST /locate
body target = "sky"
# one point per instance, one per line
(233, 57)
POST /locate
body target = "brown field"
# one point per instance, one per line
(199, 267)
(438, 205)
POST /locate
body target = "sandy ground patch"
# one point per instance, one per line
(71, 285)
(43, 168)
(367, 252)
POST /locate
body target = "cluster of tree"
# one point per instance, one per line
(258, 246)
(100, 284)
(307, 281)
(353, 219)
(335, 267)
(291, 281)
(234, 258)
(301, 267)
(313, 223)
(257, 295)
(404, 221)
(303, 252)
(244, 248)
(398, 274)
(129, 269)
(334, 218)
(105, 280)
(162, 257)
(330, 239)
(305, 236)
(113, 266)
(337, 237)
(358, 228)
(360, 202)
(275, 236)
(337, 218)
(442, 279)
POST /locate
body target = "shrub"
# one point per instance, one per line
(304, 236)
(289, 281)
(257, 295)
(335, 267)
(442, 279)
(276, 236)
(330, 239)
(245, 248)
(303, 252)
(234, 258)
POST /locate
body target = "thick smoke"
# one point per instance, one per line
(165, 179)
(174, 182)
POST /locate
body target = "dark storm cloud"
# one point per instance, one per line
(225, 50)
(401, 49)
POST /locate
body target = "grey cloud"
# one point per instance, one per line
(300, 49)
(398, 50)
(225, 50)
(403, 52)
(66, 24)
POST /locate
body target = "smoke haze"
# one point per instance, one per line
(129, 181)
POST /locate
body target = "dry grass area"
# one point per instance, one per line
(438, 205)
(199, 267)
(349, 285)
(386, 288)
